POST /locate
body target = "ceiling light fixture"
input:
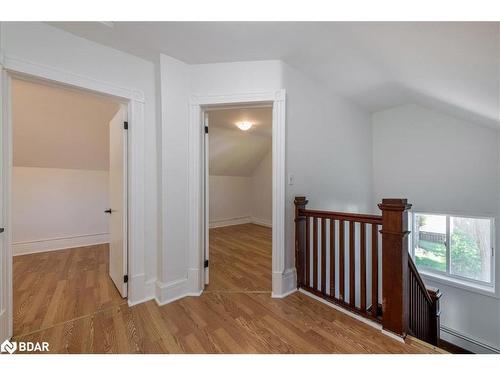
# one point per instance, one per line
(244, 125)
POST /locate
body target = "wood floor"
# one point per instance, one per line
(234, 319)
(57, 286)
(240, 258)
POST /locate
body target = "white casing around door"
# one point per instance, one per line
(118, 226)
(207, 199)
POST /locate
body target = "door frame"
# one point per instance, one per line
(283, 281)
(11, 67)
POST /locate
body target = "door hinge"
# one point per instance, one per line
(125, 125)
(206, 129)
(206, 263)
(125, 279)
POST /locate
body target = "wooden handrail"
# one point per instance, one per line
(420, 282)
(360, 218)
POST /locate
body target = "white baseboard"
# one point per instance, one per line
(140, 290)
(239, 221)
(284, 283)
(230, 221)
(263, 222)
(347, 312)
(172, 291)
(467, 342)
(61, 243)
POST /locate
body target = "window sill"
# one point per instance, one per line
(471, 287)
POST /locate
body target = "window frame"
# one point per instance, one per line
(447, 276)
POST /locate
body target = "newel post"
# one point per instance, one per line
(300, 238)
(395, 265)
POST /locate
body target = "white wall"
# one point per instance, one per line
(45, 45)
(56, 208)
(230, 200)
(328, 151)
(443, 164)
(261, 209)
(240, 199)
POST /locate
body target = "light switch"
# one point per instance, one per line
(291, 179)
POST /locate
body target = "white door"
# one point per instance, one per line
(118, 201)
(207, 200)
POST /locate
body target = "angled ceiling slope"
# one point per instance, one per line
(451, 66)
(234, 152)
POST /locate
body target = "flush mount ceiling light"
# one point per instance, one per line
(244, 125)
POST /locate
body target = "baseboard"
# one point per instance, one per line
(467, 342)
(60, 243)
(263, 222)
(229, 222)
(140, 290)
(351, 314)
(284, 283)
(172, 291)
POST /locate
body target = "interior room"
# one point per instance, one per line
(240, 198)
(377, 232)
(60, 190)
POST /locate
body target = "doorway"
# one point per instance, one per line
(238, 198)
(68, 203)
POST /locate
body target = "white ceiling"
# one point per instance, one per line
(56, 127)
(452, 66)
(234, 152)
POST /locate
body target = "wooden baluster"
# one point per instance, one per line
(300, 240)
(332, 257)
(374, 270)
(315, 253)
(308, 252)
(435, 312)
(341, 260)
(323, 256)
(362, 266)
(352, 264)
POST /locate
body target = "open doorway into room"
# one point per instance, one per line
(239, 198)
(68, 204)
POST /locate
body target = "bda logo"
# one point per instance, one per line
(8, 347)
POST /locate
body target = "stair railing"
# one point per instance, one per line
(357, 261)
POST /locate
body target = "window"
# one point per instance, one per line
(456, 247)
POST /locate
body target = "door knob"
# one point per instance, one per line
(108, 211)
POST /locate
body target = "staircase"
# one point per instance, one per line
(361, 263)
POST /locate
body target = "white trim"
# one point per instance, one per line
(230, 222)
(469, 340)
(59, 243)
(262, 222)
(195, 178)
(239, 221)
(13, 66)
(392, 335)
(48, 73)
(284, 283)
(172, 291)
(371, 323)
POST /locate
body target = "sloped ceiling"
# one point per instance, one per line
(233, 152)
(56, 127)
(451, 66)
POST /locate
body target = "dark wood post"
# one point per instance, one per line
(300, 239)
(435, 313)
(395, 265)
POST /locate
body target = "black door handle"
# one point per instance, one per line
(2, 230)
(108, 211)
